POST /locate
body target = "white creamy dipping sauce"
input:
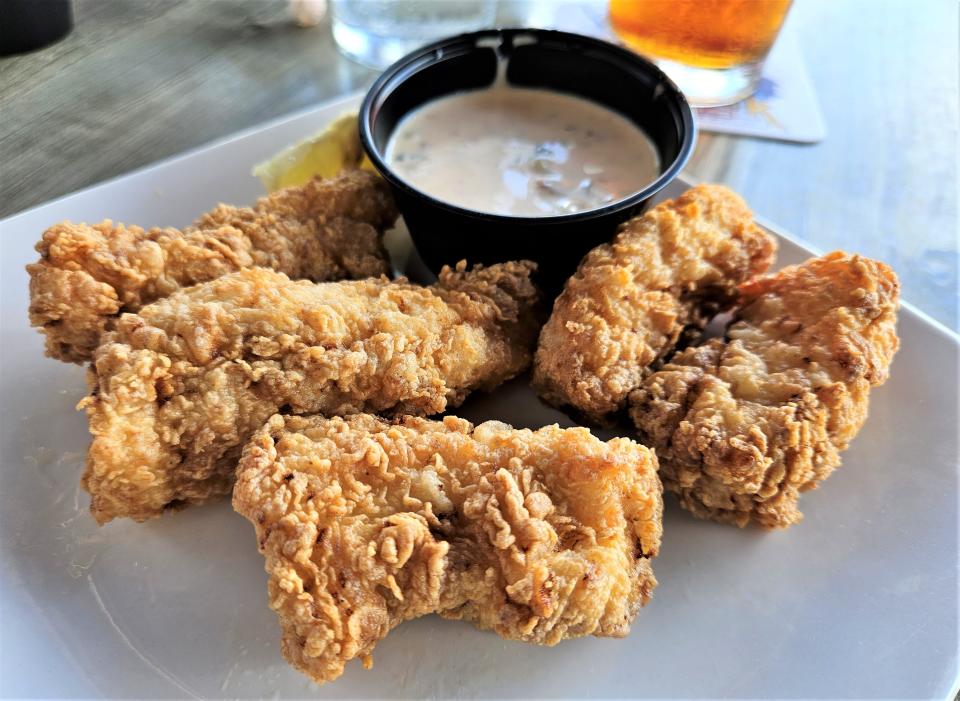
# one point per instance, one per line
(521, 152)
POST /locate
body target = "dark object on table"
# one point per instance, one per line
(583, 66)
(27, 25)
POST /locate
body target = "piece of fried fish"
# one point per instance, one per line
(537, 535)
(668, 270)
(88, 275)
(177, 389)
(742, 426)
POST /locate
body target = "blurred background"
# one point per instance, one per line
(865, 97)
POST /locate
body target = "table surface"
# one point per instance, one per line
(141, 80)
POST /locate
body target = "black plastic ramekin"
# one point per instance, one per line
(536, 58)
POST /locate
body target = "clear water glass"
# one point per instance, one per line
(378, 32)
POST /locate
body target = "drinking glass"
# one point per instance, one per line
(712, 49)
(378, 32)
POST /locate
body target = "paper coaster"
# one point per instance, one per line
(784, 107)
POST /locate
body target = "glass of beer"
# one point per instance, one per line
(712, 49)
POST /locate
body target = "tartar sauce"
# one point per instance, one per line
(521, 152)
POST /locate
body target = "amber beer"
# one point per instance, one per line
(713, 34)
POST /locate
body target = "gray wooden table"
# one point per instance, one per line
(140, 80)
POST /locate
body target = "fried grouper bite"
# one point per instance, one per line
(177, 389)
(88, 275)
(365, 523)
(667, 271)
(742, 426)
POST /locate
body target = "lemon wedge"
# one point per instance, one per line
(326, 153)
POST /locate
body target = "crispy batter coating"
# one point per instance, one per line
(89, 274)
(177, 389)
(536, 535)
(626, 306)
(743, 426)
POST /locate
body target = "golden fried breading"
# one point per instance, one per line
(742, 427)
(625, 307)
(536, 535)
(177, 389)
(88, 275)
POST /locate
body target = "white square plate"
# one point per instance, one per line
(860, 600)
